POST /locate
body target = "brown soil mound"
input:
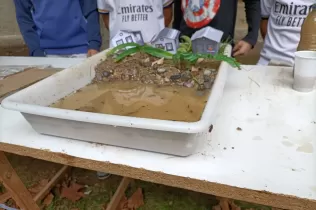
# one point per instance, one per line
(151, 70)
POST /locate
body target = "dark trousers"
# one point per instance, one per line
(177, 14)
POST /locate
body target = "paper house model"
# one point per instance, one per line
(206, 40)
(124, 36)
(167, 39)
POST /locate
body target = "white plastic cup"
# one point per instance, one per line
(304, 71)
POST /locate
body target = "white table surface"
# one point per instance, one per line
(263, 138)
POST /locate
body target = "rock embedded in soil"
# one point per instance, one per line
(206, 78)
(188, 84)
(175, 77)
(208, 84)
(99, 77)
(207, 72)
(161, 70)
(106, 74)
(185, 76)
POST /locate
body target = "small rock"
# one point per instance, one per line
(146, 60)
(208, 85)
(206, 78)
(124, 77)
(167, 79)
(175, 77)
(134, 72)
(161, 70)
(185, 76)
(99, 77)
(188, 84)
(106, 73)
(158, 77)
(214, 70)
(207, 72)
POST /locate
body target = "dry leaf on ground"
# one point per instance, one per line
(72, 192)
(158, 62)
(48, 200)
(136, 200)
(38, 187)
(123, 204)
(199, 60)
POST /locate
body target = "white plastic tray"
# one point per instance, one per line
(177, 138)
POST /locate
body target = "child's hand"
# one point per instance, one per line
(91, 52)
(241, 48)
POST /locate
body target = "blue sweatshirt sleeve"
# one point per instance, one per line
(28, 27)
(90, 12)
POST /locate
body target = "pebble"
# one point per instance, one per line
(188, 84)
(99, 77)
(206, 78)
(167, 79)
(161, 70)
(175, 77)
(158, 77)
(208, 85)
(185, 76)
(207, 72)
(106, 73)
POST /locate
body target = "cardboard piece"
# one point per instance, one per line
(20, 80)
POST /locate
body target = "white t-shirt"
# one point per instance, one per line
(135, 15)
(284, 28)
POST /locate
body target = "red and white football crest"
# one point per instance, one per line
(198, 13)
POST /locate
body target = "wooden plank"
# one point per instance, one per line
(115, 200)
(58, 176)
(202, 186)
(23, 79)
(14, 185)
(5, 197)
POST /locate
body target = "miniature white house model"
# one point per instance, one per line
(167, 39)
(206, 40)
(123, 37)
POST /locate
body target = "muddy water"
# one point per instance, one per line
(138, 100)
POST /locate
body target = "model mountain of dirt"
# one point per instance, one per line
(149, 65)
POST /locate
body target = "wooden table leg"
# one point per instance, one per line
(115, 200)
(5, 197)
(52, 182)
(14, 185)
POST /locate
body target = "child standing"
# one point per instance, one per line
(62, 28)
(147, 16)
(281, 27)
(221, 15)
